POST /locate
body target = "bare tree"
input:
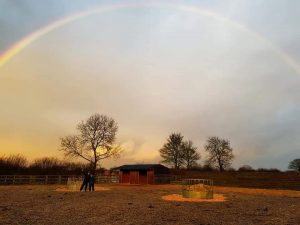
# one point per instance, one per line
(95, 140)
(46, 163)
(295, 165)
(17, 161)
(220, 152)
(190, 154)
(171, 152)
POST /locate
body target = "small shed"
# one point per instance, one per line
(144, 174)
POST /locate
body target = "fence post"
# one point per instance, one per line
(46, 179)
(59, 179)
(14, 177)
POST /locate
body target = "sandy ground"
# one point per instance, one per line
(144, 205)
(179, 198)
(65, 189)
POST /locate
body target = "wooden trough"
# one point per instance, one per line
(197, 188)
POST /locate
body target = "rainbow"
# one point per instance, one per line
(26, 41)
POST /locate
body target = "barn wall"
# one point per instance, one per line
(150, 176)
(161, 170)
(125, 177)
(156, 175)
(134, 177)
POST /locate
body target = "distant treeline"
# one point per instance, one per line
(18, 164)
(208, 168)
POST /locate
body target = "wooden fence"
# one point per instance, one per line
(280, 180)
(50, 179)
(274, 180)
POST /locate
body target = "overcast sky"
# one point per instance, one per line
(155, 70)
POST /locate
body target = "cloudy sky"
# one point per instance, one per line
(203, 68)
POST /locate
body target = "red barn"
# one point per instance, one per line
(144, 174)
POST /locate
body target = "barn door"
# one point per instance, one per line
(143, 177)
(150, 177)
(125, 177)
(134, 177)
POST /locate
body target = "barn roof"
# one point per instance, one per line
(140, 167)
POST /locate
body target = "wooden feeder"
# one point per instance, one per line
(197, 188)
(73, 183)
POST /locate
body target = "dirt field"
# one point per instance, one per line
(116, 204)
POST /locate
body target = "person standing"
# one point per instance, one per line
(92, 182)
(85, 182)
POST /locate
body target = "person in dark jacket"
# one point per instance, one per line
(86, 180)
(92, 182)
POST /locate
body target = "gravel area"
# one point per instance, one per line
(143, 205)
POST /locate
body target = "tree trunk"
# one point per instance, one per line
(94, 168)
(221, 167)
(95, 162)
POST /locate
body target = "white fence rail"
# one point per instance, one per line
(50, 179)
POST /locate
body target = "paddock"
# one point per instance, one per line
(144, 204)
